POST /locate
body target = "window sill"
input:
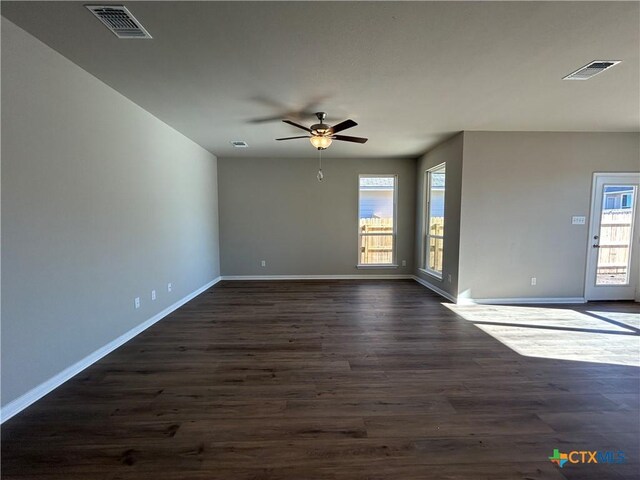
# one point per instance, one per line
(431, 274)
(375, 266)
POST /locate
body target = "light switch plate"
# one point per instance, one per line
(578, 220)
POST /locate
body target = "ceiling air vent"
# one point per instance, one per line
(591, 69)
(239, 144)
(119, 20)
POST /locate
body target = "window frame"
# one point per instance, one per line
(394, 263)
(426, 205)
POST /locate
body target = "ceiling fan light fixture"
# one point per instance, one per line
(320, 142)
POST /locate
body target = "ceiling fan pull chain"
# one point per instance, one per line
(320, 175)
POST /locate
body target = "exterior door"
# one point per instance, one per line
(614, 238)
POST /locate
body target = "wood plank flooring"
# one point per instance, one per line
(330, 380)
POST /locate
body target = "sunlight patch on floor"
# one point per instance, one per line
(631, 319)
(550, 333)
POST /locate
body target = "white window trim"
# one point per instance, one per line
(394, 263)
(430, 273)
(426, 204)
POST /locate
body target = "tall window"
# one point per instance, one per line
(434, 220)
(377, 219)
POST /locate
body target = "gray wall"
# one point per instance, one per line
(449, 152)
(275, 210)
(101, 202)
(519, 191)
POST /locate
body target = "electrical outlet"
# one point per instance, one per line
(263, 263)
(534, 281)
(449, 278)
(136, 302)
(404, 263)
(169, 287)
(153, 294)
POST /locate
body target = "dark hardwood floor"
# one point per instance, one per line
(337, 380)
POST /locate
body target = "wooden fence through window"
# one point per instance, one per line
(614, 240)
(376, 241)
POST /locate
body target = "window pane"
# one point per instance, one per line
(434, 254)
(376, 218)
(436, 202)
(376, 249)
(376, 201)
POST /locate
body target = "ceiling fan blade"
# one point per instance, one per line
(293, 138)
(343, 126)
(275, 118)
(297, 125)
(347, 138)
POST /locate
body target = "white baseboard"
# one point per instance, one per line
(318, 277)
(522, 300)
(16, 406)
(500, 301)
(439, 291)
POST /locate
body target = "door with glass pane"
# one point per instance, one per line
(614, 238)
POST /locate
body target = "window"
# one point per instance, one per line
(627, 200)
(610, 203)
(434, 220)
(377, 220)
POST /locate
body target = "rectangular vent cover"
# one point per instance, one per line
(239, 144)
(591, 69)
(119, 20)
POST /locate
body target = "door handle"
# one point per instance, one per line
(595, 245)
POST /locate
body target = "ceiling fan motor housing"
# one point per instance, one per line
(321, 129)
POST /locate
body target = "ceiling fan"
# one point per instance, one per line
(321, 134)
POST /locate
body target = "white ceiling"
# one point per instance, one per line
(410, 73)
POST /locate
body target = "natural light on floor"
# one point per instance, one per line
(564, 334)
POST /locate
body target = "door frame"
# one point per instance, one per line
(591, 226)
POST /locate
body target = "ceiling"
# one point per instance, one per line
(410, 73)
